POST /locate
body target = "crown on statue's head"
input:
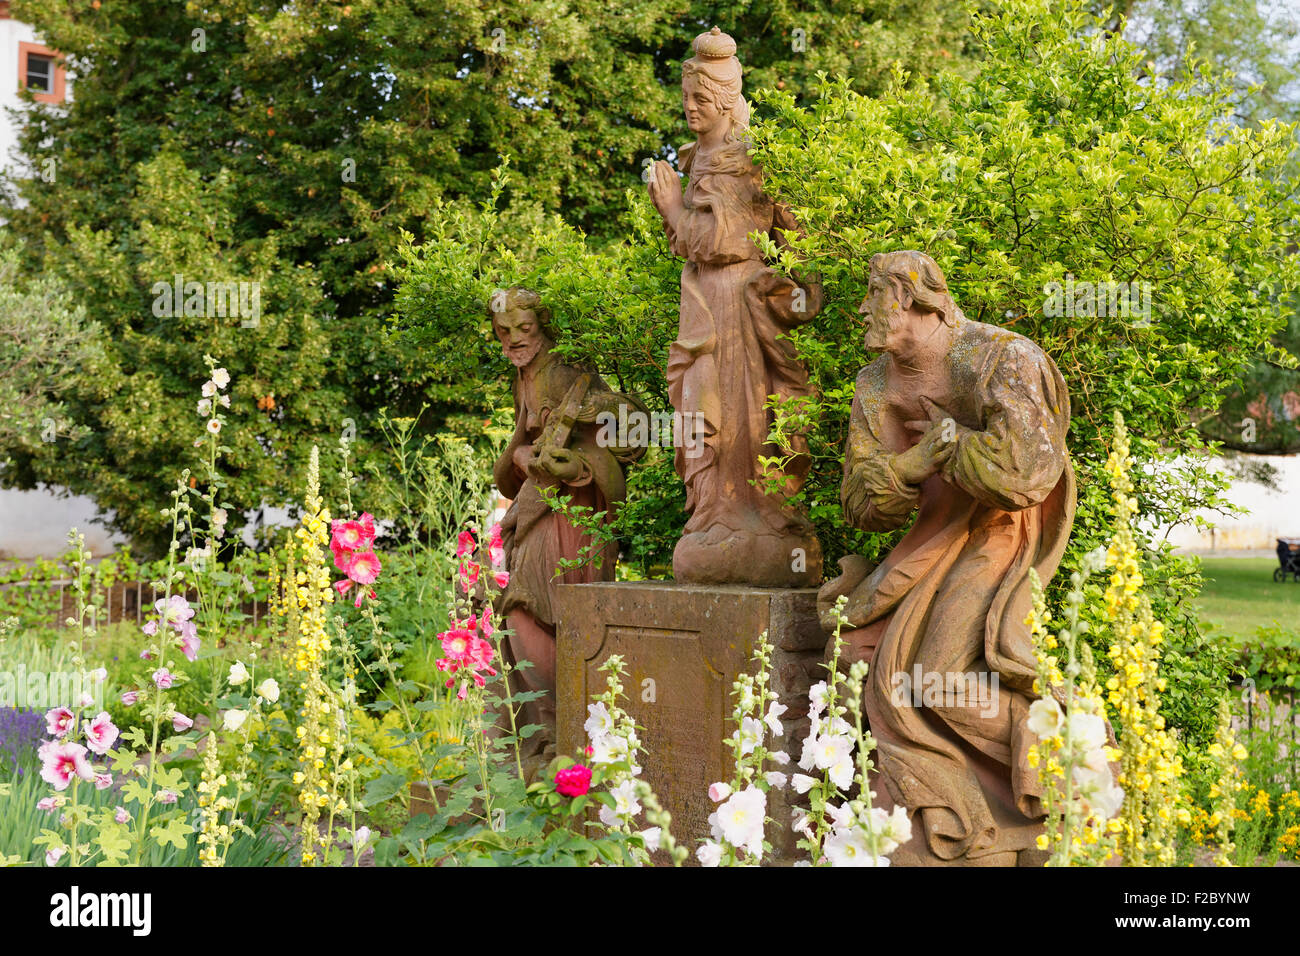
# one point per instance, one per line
(714, 45)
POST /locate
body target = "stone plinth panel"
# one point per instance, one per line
(684, 646)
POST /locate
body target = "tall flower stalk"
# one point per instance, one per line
(1150, 768)
(316, 733)
(1072, 755)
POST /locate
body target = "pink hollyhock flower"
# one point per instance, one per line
(100, 733)
(130, 697)
(166, 796)
(496, 549)
(502, 578)
(181, 723)
(52, 856)
(162, 678)
(59, 722)
(469, 575)
(360, 569)
(363, 568)
(464, 691)
(573, 781)
(1291, 405)
(190, 642)
(480, 655)
(145, 655)
(354, 535)
(174, 610)
(121, 816)
(48, 804)
(456, 643)
(465, 544)
(62, 762)
(103, 781)
(485, 622)
(150, 628)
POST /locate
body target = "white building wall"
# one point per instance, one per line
(11, 34)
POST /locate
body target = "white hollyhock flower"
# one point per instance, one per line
(234, 719)
(780, 758)
(238, 673)
(801, 824)
(719, 792)
(773, 718)
(205, 407)
(775, 778)
(610, 748)
(831, 749)
(849, 848)
(841, 772)
(817, 698)
(209, 388)
(1044, 717)
(802, 783)
(652, 837)
(1086, 731)
(269, 690)
(750, 735)
(741, 819)
(599, 722)
(626, 804)
(841, 816)
(214, 426)
(220, 377)
(892, 830)
(709, 853)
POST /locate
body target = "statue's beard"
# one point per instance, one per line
(522, 358)
(878, 333)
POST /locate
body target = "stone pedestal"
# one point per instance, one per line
(684, 646)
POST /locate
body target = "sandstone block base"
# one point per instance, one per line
(684, 646)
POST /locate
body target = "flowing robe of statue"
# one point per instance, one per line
(534, 537)
(726, 361)
(954, 595)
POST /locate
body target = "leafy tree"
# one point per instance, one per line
(293, 144)
(1056, 160)
(46, 345)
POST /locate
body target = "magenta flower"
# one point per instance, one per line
(465, 544)
(162, 678)
(100, 733)
(363, 569)
(103, 781)
(59, 722)
(62, 762)
(573, 781)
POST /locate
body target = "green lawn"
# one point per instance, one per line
(1240, 595)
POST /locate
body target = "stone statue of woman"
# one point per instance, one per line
(730, 356)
